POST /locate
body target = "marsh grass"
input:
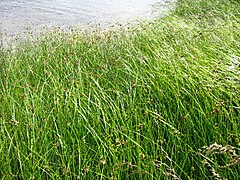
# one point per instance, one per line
(144, 102)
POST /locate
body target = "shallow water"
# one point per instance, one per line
(18, 15)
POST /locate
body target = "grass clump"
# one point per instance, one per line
(156, 101)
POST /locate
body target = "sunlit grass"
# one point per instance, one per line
(145, 102)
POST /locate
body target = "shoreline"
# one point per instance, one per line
(161, 9)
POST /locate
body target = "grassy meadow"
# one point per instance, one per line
(159, 100)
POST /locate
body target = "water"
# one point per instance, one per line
(18, 15)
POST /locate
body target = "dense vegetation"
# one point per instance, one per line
(159, 100)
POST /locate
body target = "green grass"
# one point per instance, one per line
(145, 102)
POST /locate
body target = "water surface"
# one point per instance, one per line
(18, 15)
